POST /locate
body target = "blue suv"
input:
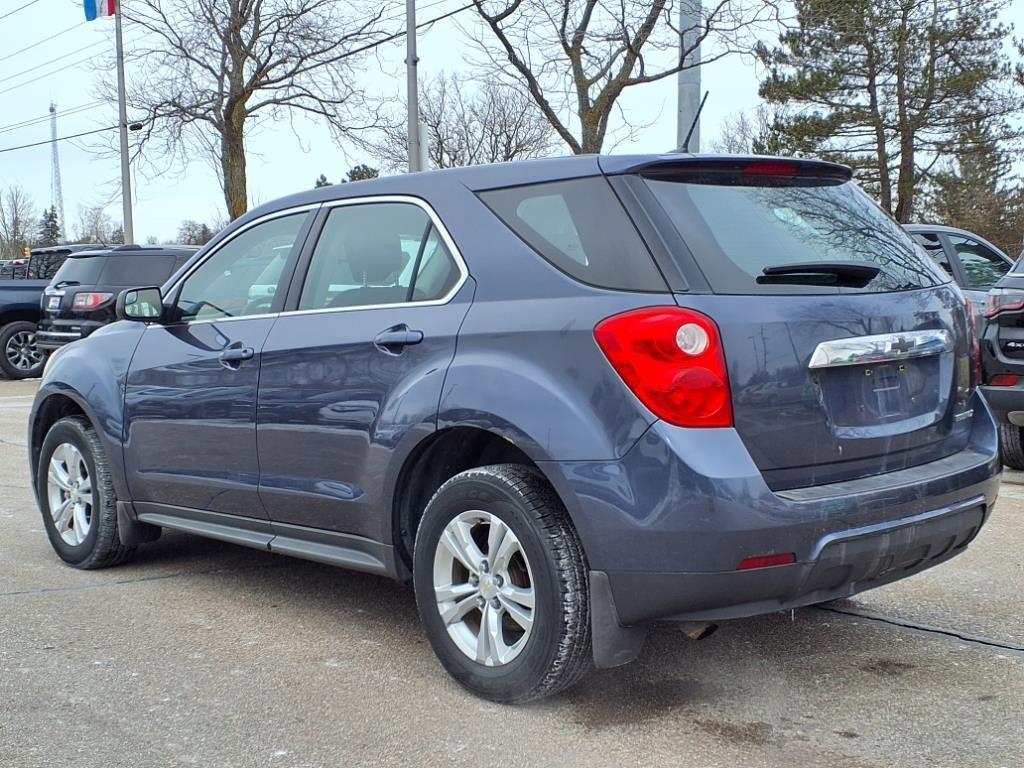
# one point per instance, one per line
(564, 398)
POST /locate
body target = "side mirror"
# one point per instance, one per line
(145, 305)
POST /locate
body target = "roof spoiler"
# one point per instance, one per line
(728, 165)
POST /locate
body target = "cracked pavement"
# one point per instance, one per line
(202, 653)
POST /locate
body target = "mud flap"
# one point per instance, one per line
(131, 531)
(614, 644)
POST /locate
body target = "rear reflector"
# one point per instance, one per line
(1004, 380)
(766, 561)
(670, 358)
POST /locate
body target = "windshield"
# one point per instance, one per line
(739, 227)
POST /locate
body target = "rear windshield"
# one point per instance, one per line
(581, 228)
(738, 228)
(129, 269)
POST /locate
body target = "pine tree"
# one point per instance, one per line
(321, 182)
(48, 233)
(362, 172)
(886, 85)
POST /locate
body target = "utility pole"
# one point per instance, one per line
(127, 225)
(56, 188)
(689, 78)
(412, 95)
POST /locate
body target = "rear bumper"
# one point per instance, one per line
(51, 334)
(55, 339)
(670, 522)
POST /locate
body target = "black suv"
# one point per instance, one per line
(81, 296)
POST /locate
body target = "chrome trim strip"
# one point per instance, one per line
(423, 204)
(882, 348)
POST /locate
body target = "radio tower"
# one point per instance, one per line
(56, 192)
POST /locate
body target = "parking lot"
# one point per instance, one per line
(201, 653)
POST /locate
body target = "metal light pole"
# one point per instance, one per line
(412, 86)
(127, 225)
(689, 78)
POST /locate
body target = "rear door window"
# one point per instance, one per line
(581, 228)
(982, 267)
(735, 227)
(131, 269)
(83, 270)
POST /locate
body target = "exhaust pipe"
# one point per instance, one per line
(697, 630)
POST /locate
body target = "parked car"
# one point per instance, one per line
(20, 292)
(81, 296)
(974, 263)
(523, 388)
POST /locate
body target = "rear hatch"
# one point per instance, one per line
(85, 288)
(847, 350)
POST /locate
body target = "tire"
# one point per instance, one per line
(543, 557)
(85, 535)
(19, 356)
(1011, 446)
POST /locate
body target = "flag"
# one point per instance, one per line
(94, 9)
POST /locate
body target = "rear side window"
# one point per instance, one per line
(736, 227)
(933, 247)
(982, 266)
(582, 229)
(84, 270)
(136, 270)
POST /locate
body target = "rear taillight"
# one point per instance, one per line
(1001, 300)
(672, 360)
(88, 301)
(1004, 380)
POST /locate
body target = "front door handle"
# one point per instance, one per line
(235, 356)
(397, 338)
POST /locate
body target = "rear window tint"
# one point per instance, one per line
(129, 269)
(735, 230)
(582, 229)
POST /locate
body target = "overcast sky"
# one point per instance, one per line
(279, 161)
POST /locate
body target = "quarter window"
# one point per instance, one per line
(982, 266)
(370, 254)
(243, 276)
(931, 244)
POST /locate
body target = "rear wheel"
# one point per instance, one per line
(1011, 446)
(501, 585)
(20, 358)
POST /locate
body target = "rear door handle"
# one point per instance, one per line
(395, 339)
(235, 356)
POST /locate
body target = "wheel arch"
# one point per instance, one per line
(439, 457)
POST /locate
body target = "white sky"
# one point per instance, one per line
(279, 162)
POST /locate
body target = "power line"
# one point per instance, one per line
(22, 8)
(353, 52)
(61, 138)
(48, 74)
(36, 44)
(52, 61)
(43, 118)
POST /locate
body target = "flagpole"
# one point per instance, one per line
(127, 225)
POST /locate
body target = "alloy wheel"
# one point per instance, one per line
(22, 352)
(484, 588)
(70, 493)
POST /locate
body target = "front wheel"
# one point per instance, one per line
(501, 585)
(76, 496)
(20, 358)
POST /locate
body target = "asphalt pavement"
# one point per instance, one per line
(200, 653)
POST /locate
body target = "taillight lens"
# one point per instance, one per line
(1004, 380)
(672, 360)
(1001, 300)
(87, 300)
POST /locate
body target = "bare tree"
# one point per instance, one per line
(193, 232)
(17, 218)
(741, 134)
(469, 124)
(213, 70)
(95, 225)
(577, 57)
